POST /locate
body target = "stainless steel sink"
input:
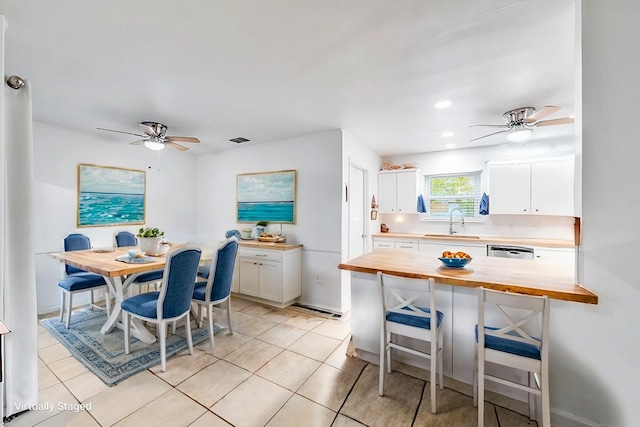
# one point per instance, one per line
(459, 236)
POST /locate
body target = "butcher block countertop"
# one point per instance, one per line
(556, 280)
(484, 240)
(256, 244)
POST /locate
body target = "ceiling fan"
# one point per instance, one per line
(155, 137)
(519, 122)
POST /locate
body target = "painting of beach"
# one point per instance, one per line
(110, 196)
(267, 196)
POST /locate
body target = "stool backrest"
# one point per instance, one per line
(399, 295)
(519, 317)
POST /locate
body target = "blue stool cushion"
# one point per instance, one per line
(151, 276)
(79, 281)
(509, 346)
(145, 305)
(419, 322)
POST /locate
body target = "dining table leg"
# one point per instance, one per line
(117, 288)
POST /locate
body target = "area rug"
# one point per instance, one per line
(104, 354)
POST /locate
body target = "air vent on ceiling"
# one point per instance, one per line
(239, 140)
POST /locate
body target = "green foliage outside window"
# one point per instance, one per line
(447, 192)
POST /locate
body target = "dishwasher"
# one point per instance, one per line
(518, 252)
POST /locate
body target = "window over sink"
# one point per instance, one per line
(443, 193)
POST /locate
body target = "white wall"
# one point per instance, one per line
(356, 153)
(473, 160)
(317, 158)
(594, 363)
(171, 196)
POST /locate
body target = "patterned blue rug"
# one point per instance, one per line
(104, 354)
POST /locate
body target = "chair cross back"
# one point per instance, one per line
(514, 326)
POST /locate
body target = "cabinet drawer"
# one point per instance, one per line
(383, 244)
(263, 255)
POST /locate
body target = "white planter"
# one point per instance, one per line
(152, 246)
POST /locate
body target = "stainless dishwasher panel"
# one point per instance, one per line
(518, 252)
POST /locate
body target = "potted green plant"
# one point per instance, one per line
(260, 227)
(150, 240)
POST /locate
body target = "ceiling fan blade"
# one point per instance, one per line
(138, 142)
(119, 131)
(542, 113)
(560, 121)
(176, 146)
(491, 126)
(495, 133)
(182, 139)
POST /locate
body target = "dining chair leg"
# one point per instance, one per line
(187, 329)
(229, 316)
(62, 300)
(126, 320)
(210, 321)
(107, 301)
(69, 308)
(163, 344)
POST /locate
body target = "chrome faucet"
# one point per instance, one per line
(451, 222)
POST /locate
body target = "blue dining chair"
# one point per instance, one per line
(216, 290)
(124, 238)
(170, 304)
(76, 280)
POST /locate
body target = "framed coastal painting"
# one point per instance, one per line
(110, 196)
(267, 196)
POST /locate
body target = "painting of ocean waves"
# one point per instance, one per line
(267, 196)
(111, 208)
(272, 211)
(110, 196)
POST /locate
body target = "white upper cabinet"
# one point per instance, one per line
(539, 188)
(398, 191)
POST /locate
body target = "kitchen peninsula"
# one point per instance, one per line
(455, 297)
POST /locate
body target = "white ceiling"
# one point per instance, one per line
(268, 70)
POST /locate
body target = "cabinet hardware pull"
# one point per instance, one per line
(261, 254)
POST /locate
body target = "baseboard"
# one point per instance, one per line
(564, 419)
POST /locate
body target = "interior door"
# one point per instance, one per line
(357, 218)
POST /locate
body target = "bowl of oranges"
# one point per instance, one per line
(455, 259)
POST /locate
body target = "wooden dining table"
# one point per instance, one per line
(119, 276)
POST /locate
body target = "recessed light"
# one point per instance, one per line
(443, 104)
(450, 145)
(447, 134)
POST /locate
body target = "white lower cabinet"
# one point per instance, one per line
(436, 248)
(272, 276)
(399, 245)
(562, 255)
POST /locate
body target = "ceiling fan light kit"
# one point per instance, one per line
(520, 122)
(154, 145)
(155, 137)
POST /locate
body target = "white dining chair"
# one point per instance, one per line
(401, 316)
(512, 342)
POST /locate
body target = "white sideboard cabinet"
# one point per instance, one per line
(272, 276)
(398, 191)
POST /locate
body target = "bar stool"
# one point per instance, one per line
(511, 344)
(401, 317)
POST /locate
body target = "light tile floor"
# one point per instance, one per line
(282, 367)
